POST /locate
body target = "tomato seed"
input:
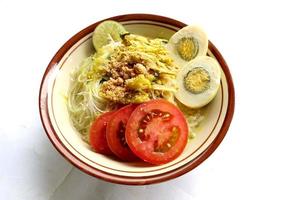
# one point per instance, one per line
(166, 116)
(121, 134)
(148, 117)
(141, 130)
(153, 114)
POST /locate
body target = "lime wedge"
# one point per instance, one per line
(106, 32)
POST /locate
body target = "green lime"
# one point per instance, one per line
(107, 31)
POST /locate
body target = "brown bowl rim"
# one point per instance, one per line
(44, 115)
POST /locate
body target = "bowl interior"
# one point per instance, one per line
(214, 113)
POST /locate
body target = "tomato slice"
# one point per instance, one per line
(115, 133)
(157, 131)
(98, 133)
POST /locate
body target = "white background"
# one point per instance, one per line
(259, 157)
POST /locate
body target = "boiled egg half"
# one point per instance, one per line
(198, 82)
(187, 44)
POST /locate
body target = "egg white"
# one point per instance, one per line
(193, 100)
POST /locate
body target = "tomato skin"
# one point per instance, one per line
(98, 134)
(157, 132)
(116, 135)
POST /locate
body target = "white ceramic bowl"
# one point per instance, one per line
(66, 139)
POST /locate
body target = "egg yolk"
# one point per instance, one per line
(187, 48)
(197, 80)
